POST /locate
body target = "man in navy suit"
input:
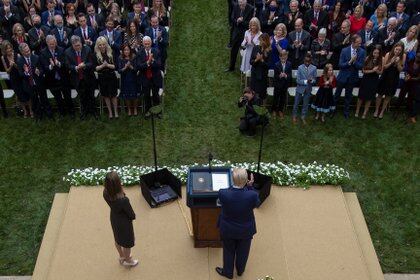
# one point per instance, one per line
(62, 33)
(52, 61)
(48, 15)
(403, 19)
(85, 32)
(113, 36)
(96, 21)
(351, 61)
(9, 15)
(240, 17)
(30, 69)
(37, 35)
(237, 223)
(78, 61)
(369, 36)
(159, 38)
(138, 16)
(148, 63)
(282, 80)
(315, 19)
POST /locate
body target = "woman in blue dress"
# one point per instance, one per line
(278, 43)
(129, 86)
(379, 18)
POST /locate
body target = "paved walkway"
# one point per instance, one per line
(387, 277)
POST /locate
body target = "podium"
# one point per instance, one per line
(203, 184)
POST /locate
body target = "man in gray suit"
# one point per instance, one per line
(306, 78)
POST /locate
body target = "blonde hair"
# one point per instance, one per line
(161, 8)
(240, 177)
(16, 26)
(412, 27)
(327, 67)
(256, 21)
(6, 44)
(282, 27)
(361, 9)
(385, 8)
(102, 39)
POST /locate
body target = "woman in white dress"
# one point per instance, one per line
(410, 40)
(251, 39)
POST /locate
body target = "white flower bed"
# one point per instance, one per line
(283, 174)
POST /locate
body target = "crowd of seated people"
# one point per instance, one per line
(54, 46)
(371, 45)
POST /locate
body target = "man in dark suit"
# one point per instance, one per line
(85, 32)
(403, 19)
(340, 41)
(237, 222)
(292, 15)
(9, 15)
(351, 62)
(388, 36)
(37, 34)
(96, 21)
(270, 17)
(52, 60)
(369, 36)
(139, 17)
(48, 15)
(148, 63)
(315, 19)
(62, 33)
(282, 79)
(159, 37)
(30, 69)
(78, 60)
(113, 36)
(299, 43)
(241, 15)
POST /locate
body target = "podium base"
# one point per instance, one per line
(206, 233)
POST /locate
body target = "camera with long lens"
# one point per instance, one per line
(243, 101)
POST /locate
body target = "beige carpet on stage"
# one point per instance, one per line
(302, 235)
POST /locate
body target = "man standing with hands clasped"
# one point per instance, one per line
(237, 222)
(351, 61)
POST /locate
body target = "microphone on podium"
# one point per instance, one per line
(210, 159)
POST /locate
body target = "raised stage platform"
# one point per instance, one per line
(312, 234)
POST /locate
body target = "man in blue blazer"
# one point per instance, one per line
(403, 19)
(113, 36)
(306, 78)
(138, 16)
(48, 15)
(352, 59)
(237, 223)
(159, 37)
(85, 32)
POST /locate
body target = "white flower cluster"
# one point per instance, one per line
(283, 174)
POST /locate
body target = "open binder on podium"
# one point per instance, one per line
(204, 183)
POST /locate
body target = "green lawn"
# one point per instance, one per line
(201, 116)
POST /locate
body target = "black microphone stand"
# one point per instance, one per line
(154, 141)
(156, 110)
(210, 159)
(264, 120)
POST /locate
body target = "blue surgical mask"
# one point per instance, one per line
(273, 9)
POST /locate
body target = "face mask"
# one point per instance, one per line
(59, 25)
(273, 9)
(37, 25)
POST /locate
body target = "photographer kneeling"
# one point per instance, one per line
(251, 119)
